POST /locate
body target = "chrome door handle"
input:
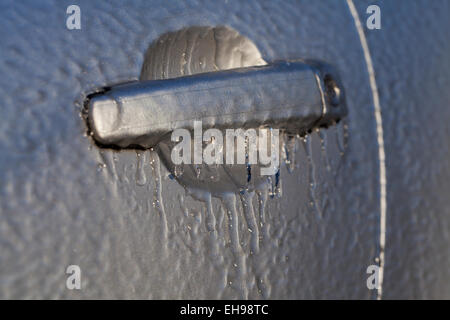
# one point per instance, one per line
(291, 95)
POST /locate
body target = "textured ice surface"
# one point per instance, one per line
(64, 201)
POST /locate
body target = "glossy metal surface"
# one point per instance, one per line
(285, 95)
(136, 233)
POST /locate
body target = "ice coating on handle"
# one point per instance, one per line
(285, 95)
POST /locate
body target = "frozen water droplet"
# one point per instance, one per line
(141, 178)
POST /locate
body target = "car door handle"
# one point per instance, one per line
(291, 95)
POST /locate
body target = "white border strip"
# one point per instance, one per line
(380, 140)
